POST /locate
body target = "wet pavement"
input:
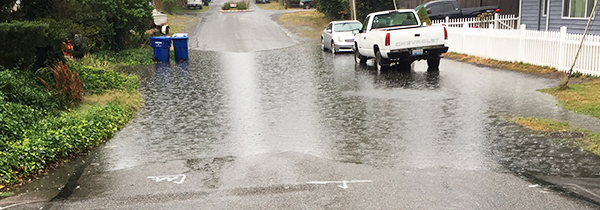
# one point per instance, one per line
(294, 127)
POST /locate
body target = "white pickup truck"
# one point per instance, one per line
(397, 37)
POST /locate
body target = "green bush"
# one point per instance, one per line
(24, 87)
(241, 5)
(14, 119)
(29, 45)
(57, 137)
(98, 81)
(169, 5)
(226, 6)
(423, 16)
(133, 56)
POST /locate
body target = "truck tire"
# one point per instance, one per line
(381, 63)
(433, 64)
(357, 57)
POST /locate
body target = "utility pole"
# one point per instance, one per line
(395, 7)
(354, 9)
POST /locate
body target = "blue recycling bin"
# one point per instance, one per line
(180, 46)
(162, 47)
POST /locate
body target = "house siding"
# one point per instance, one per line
(530, 16)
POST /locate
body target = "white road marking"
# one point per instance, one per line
(344, 183)
(169, 178)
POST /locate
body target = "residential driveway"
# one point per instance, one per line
(284, 125)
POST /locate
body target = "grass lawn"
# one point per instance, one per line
(581, 98)
(306, 23)
(588, 141)
(271, 6)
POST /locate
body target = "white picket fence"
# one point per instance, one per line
(543, 48)
(509, 21)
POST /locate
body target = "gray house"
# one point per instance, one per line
(552, 14)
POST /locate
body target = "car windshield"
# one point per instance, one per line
(394, 19)
(339, 27)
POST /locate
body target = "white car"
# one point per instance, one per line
(338, 36)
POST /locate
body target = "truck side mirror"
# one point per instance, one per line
(328, 30)
(429, 12)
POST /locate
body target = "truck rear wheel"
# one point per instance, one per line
(433, 64)
(380, 62)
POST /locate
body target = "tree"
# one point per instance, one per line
(364, 7)
(334, 9)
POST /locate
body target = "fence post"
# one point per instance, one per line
(488, 46)
(462, 42)
(561, 49)
(521, 43)
(447, 20)
(497, 20)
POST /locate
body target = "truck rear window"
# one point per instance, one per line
(394, 19)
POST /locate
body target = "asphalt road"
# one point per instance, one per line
(259, 119)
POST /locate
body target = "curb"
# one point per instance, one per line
(236, 10)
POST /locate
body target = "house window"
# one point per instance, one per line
(577, 8)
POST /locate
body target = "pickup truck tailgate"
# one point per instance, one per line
(417, 38)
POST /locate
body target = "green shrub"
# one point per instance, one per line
(242, 6)
(14, 119)
(97, 80)
(226, 6)
(423, 16)
(56, 137)
(24, 87)
(29, 45)
(169, 5)
(133, 56)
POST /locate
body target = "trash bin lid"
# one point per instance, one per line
(180, 36)
(161, 38)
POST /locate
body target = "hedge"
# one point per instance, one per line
(29, 45)
(57, 137)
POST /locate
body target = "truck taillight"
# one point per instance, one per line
(445, 34)
(387, 39)
(497, 10)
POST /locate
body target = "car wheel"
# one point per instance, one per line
(433, 64)
(323, 45)
(306, 6)
(357, 57)
(381, 63)
(333, 48)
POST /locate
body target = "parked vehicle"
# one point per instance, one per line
(338, 36)
(262, 1)
(441, 8)
(194, 4)
(396, 37)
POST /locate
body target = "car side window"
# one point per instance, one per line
(329, 27)
(365, 23)
(447, 7)
(435, 8)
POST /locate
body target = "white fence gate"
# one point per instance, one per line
(499, 21)
(543, 48)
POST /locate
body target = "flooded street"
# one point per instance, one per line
(294, 127)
